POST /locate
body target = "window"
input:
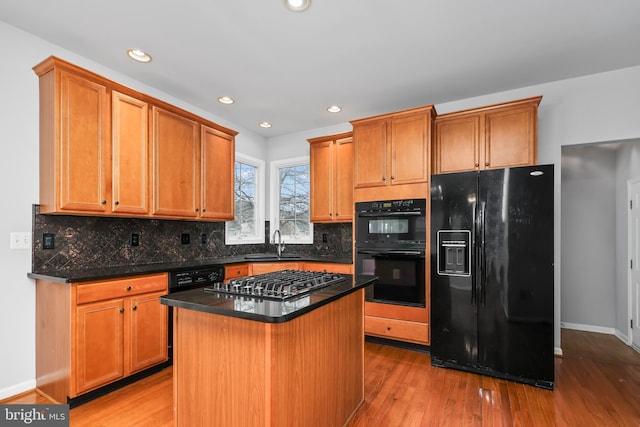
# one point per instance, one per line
(290, 201)
(248, 224)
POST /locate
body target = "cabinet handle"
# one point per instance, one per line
(135, 307)
(486, 164)
(117, 203)
(204, 210)
(104, 202)
(388, 328)
(197, 209)
(330, 214)
(384, 178)
(477, 165)
(121, 309)
(393, 177)
(128, 288)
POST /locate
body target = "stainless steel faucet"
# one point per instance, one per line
(280, 242)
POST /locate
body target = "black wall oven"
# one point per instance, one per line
(391, 244)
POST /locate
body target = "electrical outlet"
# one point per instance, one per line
(19, 240)
(135, 239)
(203, 238)
(324, 237)
(48, 241)
(185, 238)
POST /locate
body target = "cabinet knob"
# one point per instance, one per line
(204, 210)
(486, 164)
(388, 328)
(117, 203)
(477, 165)
(104, 202)
(330, 214)
(197, 209)
(393, 177)
(128, 288)
(384, 178)
(135, 307)
(121, 309)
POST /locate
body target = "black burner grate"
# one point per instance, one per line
(278, 285)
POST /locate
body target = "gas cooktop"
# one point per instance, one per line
(278, 285)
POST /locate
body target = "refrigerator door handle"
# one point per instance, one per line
(482, 258)
(474, 260)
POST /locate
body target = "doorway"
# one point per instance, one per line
(634, 261)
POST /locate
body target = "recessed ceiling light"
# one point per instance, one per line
(139, 55)
(297, 5)
(225, 100)
(265, 125)
(334, 109)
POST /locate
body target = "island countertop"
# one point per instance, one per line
(264, 310)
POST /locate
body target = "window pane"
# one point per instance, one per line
(245, 220)
(294, 201)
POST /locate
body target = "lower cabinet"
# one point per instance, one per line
(397, 322)
(91, 334)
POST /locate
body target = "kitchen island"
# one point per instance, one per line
(248, 361)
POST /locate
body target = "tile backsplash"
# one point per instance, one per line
(83, 242)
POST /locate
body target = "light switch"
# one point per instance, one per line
(19, 240)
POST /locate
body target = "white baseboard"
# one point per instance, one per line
(587, 328)
(17, 389)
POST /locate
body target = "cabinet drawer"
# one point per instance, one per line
(330, 267)
(107, 289)
(397, 329)
(238, 270)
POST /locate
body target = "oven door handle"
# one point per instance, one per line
(392, 253)
(400, 213)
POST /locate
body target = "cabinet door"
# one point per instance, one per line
(99, 344)
(410, 147)
(236, 270)
(147, 336)
(130, 158)
(322, 164)
(511, 137)
(457, 144)
(370, 152)
(84, 145)
(343, 184)
(217, 166)
(267, 267)
(176, 171)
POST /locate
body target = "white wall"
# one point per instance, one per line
(601, 107)
(589, 237)
(19, 177)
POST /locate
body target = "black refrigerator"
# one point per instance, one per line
(492, 273)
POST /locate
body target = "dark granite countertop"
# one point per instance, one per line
(261, 310)
(103, 273)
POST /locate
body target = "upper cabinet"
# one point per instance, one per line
(106, 149)
(331, 160)
(393, 149)
(496, 136)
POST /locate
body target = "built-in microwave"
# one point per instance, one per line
(391, 223)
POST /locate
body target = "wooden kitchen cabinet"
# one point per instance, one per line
(175, 168)
(217, 174)
(267, 267)
(106, 149)
(331, 159)
(236, 270)
(495, 136)
(75, 159)
(393, 149)
(92, 334)
(130, 154)
(398, 322)
(330, 267)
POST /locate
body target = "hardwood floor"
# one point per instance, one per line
(597, 384)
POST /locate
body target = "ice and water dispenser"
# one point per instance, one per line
(454, 252)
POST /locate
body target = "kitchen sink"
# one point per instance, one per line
(270, 256)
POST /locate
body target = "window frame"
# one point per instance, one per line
(274, 198)
(260, 196)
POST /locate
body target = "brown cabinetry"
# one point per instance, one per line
(236, 270)
(106, 149)
(91, 334)
(393, 149)
(398, 322)
(496, 136)
(130, 154)
(175, 167)
(331, 159)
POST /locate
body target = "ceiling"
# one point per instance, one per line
(368, 56)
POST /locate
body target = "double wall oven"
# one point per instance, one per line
(391, 244)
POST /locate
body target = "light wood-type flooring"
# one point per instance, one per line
(597, 384)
